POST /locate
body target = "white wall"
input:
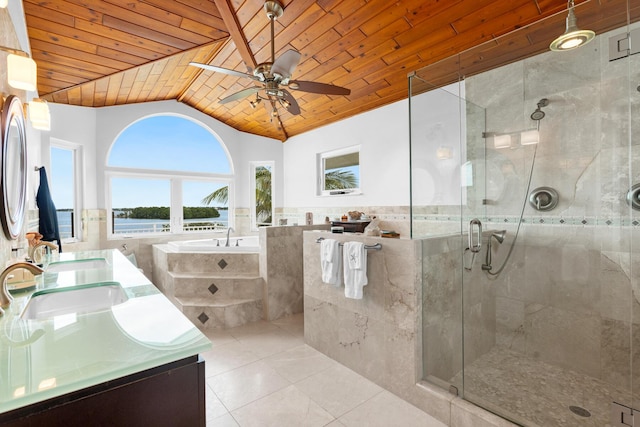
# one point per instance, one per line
(75, 125)
(383, 136)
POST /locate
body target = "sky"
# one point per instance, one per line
(158, 142)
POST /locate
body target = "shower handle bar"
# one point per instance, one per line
(477, 245)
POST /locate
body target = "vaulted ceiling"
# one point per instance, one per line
(110, 52)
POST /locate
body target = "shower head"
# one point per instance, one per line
(538, 114)
(499, 235)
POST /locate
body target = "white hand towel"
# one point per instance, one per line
(330, 261)
(355, 269)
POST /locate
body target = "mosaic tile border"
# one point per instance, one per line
(581, 221)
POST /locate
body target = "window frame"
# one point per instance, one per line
(176, 200)
(252, 179)
(78, 188)
(321, 161)
(175, 179)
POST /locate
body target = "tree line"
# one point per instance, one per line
(163, 212)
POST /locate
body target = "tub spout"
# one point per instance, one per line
(5, 297)
(229, 230)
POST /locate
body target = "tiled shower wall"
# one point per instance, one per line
(569, 294)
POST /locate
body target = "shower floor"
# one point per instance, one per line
(535, 393)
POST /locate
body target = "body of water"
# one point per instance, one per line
(132, 225)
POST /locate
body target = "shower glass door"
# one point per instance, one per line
(543, 329)
(448, 206)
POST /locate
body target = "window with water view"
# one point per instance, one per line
(168, 174)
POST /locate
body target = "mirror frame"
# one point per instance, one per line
(12, 224)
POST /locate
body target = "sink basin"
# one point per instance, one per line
(78, 299)
(75, 265)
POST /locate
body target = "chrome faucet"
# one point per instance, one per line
(5, 297)
(230, 229)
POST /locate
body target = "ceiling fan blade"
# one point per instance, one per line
(286, 63)
(315, 87)
(293, 107)
(242, 94)
(222, 70)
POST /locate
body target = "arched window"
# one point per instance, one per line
(168, 174)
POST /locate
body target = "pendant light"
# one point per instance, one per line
(573, 36)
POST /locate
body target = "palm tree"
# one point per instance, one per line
(263, 196)
(221, 195)
(337, 179)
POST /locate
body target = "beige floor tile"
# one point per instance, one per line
(252, 329)
(387, 410)
(284, 408)
(226, 357)
(338, 389)
(299, 362)
(271, 342)
(223, 421)
(244, 385)
(219, 337)
(293, 324)
(215, 408)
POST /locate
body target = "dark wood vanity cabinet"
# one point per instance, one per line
(169, 395)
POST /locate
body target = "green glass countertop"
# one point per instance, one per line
(41, 359)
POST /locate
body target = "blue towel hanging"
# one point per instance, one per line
(48, 213)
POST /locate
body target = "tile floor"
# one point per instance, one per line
(263, 374)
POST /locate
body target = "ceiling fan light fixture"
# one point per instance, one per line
(573, 36)
(286, 104)
(256, 102)
(274, 76)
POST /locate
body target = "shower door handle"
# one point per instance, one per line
(475, 244)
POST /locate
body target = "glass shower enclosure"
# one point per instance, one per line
(525, 178)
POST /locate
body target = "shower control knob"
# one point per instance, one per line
(543, 198)
(633, 197)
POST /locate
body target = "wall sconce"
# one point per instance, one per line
(21, 69)
(4, 3)
(39, 114)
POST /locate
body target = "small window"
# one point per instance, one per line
(262, 194)
(339, 171)
(65, 189)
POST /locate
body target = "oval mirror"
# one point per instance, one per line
(13, 173)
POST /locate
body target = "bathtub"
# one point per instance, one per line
(236, 244)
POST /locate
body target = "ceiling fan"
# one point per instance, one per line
(275, 76)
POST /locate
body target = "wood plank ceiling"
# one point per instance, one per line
(109, 52)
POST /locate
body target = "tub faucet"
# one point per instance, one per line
(5, 297)
(230, 229)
